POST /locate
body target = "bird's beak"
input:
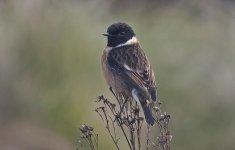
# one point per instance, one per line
(107, 34)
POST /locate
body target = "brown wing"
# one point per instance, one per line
(133, 66)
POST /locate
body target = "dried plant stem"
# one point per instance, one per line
(138, 125)
(109, 131)
(164, 139)
(147, 142)
(89, 136)
(120, 123)
(95, 138)
(127, 118)
(123, 131)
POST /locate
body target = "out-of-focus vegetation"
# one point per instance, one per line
(50, 68)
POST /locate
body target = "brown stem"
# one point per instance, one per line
(147, 145)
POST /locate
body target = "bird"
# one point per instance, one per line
(127, 69)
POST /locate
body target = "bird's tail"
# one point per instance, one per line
(141, 100)
(148, 114)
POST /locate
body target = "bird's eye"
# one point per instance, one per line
(122, 33)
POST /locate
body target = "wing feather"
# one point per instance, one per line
(131, 64)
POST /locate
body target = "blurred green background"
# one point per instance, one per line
(50, 70)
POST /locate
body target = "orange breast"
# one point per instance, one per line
(112, 80)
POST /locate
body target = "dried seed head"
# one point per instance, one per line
(132, 121)
(83, 128)
(90, 128)
(83, 136)
(156, 108)
(99, 98)
(168, 116)
(162, 117)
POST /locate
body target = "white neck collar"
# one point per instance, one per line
(133, 40)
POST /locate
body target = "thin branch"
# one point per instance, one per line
(127, 118)
(147, 143)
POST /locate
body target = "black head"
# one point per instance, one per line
(119, 33)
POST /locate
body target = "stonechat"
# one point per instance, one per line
(127, 69)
